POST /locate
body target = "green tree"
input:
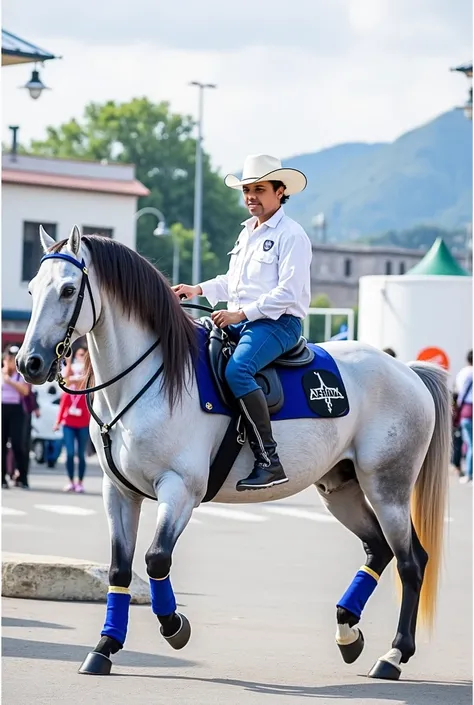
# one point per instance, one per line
(159, 250)
(160, 145)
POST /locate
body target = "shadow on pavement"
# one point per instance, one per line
(412, 692)
(31, 623)
(47, 651)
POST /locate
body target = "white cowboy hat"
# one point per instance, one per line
(262, 167)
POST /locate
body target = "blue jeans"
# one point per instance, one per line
(52, 450)
(71, 435)
(258, 344)
(466, 430)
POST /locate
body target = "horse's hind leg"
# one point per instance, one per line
(175, 506)
(348, 504)
(392, 507)
(123, 513)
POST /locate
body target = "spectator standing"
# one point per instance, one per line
(14, 389)
(74, 416)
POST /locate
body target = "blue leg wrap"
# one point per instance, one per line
(358, 592)
(163, 601)
(116, 619)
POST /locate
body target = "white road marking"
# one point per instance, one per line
(26, 527)
(65, 509)
(236, 514)
(301, 513)
(9, 512)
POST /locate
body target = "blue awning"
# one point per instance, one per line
(18, 51)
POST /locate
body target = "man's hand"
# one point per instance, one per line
(226, 318)
(184, 291)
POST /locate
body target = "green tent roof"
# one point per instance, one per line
(439, 261)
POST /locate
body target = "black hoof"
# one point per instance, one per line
(386, 670)
(180, 638)
(96, 664)
(351, 652)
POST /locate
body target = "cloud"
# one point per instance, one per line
(325, 27)
(373, 75)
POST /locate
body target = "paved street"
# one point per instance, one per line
(259, 585)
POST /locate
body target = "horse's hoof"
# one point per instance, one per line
(180, 638)
(351, 652)
(386, 670)
(96, 664)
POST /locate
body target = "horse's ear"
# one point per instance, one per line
(74, 241)
(46, 240)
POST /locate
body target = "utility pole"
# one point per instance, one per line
(198, 185)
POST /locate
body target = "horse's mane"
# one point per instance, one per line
(144, 294)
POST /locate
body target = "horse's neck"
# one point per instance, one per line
(115, 345)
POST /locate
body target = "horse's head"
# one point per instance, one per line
(66, 305)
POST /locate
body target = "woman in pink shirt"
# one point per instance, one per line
(14, 388)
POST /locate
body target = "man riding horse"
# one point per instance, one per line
(267, 288)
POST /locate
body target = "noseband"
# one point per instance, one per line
(63, 348)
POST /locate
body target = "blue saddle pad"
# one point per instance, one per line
(313, 391)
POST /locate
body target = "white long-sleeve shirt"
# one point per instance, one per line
(269, 271)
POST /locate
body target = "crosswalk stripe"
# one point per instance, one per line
(18, 526)
(211, 511)
(9, 512)
(301, 514)
(236, 514)
(65, 509)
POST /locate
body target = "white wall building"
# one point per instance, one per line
(57, 193)
(425, 315)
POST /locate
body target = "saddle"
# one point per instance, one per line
(220, 349)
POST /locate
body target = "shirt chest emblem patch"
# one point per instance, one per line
(267, 245)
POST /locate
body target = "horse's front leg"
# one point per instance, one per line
(123, 513)
(175, 506)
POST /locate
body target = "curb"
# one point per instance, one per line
(35, 577)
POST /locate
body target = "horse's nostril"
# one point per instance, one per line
(34, 364)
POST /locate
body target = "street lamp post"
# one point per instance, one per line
(196, 275)
(160, 231)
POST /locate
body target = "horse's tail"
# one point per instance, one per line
(431, 488)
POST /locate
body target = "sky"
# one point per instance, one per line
(292, 77)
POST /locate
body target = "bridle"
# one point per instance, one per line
(63, 348)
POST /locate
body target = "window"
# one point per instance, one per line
(32, 249)
(388, 267)
(401, 268)
(97, 230)
(347, 267)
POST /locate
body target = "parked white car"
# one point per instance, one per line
(48, 396)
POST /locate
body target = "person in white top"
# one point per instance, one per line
(267, 289)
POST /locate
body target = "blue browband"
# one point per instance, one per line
(68, 258)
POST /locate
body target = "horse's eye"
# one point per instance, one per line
(67, 292)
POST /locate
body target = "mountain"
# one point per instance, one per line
(423, 177)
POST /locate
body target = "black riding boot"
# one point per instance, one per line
(267, 470)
